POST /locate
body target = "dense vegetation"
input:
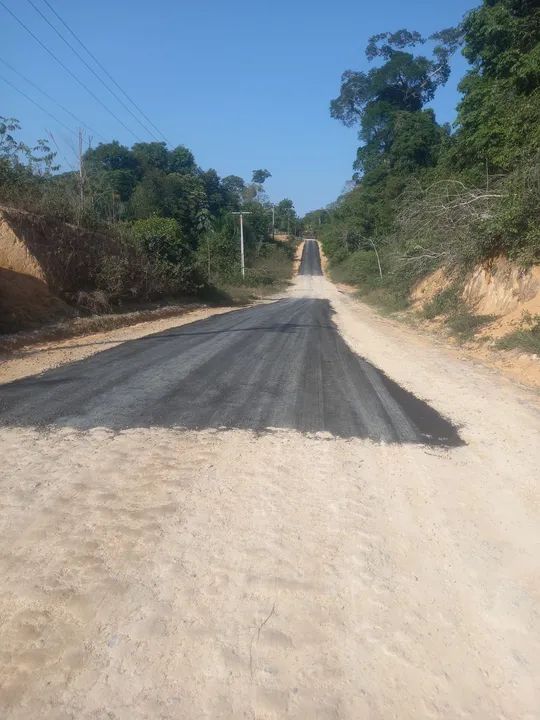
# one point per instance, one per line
(172, 222)
(426, 195)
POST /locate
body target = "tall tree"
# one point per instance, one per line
(499, 114)
(379, 100)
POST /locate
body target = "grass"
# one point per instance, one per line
(360, 269)
(527, 338)
(266, 274)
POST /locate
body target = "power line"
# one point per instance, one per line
(49, 133)
(91, 69)
(94, 58)
(49, 97)
(80, 82)
(21, 92)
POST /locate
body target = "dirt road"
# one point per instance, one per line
(210, 523)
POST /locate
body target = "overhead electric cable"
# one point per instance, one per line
(60, 152)
(91, 69)
(104, 69)
(49, 97)
(21, 92)
(80, 82)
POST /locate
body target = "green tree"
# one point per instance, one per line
(112, 169)
(233, 187)
(181, 160)
(285, 215)
(384, 101)
(152, 155)
(260, 176)
(499, 115)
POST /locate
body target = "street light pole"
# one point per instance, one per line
(242, 263)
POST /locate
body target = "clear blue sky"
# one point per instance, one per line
(243, 84)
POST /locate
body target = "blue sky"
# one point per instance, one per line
(244, 85)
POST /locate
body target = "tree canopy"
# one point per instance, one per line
(426, 193)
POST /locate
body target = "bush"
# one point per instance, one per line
(161, 238)
(358, 268)
(152, 262)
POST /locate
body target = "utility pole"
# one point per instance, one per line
(242, 263)
(273, 222)
(81, 171)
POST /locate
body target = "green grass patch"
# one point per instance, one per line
(267, 273)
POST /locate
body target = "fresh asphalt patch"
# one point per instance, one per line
(280, 365)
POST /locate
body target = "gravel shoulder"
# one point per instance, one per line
(158, 572)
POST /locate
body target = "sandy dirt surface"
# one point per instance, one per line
(165, 573)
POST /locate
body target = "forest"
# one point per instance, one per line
(426, 195)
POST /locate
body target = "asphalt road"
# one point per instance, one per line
(278, 365)
(310, 263)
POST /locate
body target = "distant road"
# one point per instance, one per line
(281, 365)
(310, 263)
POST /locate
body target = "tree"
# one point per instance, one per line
(112, 168)
(259, 176)
(233, 187)
(215, 194)
(152, 155)
(25, 171)
(111, 156)
(499, 115)
(181, 160)
(383, 100)
(285, 215)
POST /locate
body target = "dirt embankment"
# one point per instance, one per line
(507, 299)
(43, 263)
(498, 288)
